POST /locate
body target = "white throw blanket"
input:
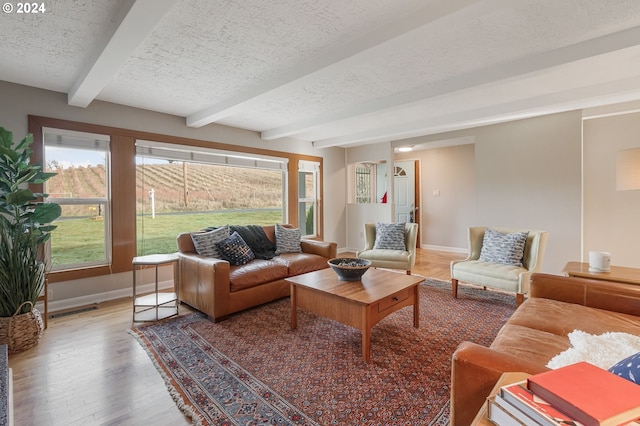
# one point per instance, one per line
(603, 351)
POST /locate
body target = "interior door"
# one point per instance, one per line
(404, 186)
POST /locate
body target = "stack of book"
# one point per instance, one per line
(580, 394)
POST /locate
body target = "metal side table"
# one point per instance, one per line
(157, 305)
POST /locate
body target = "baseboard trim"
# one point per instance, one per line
(445, 248)
(90, 299)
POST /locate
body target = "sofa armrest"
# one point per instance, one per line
(321, 248)
(475, 369)
(607, 295)
(204, 284)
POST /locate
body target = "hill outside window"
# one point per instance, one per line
(186, 188)
(81, 187)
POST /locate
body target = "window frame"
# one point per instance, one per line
(123, 205)
(313, 168)
(104, 201)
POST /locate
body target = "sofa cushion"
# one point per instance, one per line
(535, 346)
(389, 236)
(255, 273)
(205, 242)
(501, 247)
(287, 240)
(301, 263)
(561, 318)
(235, 250)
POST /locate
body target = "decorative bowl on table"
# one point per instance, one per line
(349, 268)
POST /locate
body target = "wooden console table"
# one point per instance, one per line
(617, 273)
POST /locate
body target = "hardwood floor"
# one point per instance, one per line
(87, 369)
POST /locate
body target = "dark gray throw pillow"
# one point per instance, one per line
(235, 250)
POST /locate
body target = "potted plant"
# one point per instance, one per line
(24, 226)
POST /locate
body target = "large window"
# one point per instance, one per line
(126, 192)
(182, 189)
(364, 187)
(81, 187)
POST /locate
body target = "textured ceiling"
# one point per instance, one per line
(335, 72)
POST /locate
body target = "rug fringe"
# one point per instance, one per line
(187, 409)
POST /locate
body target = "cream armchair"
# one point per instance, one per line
(392, 259)
(499, 275)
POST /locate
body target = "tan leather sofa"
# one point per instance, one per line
(218, 289)
(537, 331)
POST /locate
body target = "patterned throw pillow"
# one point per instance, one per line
(287, 240)
(205, 242)
(389, 236)
(501, 247)
(235, 250)
(628, 368)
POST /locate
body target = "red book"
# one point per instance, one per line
(588, 394)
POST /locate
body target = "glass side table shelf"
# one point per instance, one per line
(157, 305)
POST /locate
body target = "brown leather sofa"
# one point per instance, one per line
(218, 289)
(537, 331)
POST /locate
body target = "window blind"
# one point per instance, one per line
(166, 151)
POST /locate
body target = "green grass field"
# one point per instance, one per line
(82, 240)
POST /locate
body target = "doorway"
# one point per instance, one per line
(405, 188)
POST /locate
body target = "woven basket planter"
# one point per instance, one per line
(21, 332)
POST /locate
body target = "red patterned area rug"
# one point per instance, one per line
(253, 369)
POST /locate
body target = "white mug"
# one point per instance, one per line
(599, 261)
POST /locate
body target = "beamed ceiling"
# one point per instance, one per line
(334, 72)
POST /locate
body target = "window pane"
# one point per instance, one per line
(82, 173)
(81, 188)
(174, 197)
(80, 236)
(306, 219)
(306, 188)
(363, 185)
(307, 202)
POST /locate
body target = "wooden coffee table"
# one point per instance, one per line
(360, 304)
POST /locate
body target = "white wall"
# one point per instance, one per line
(447, 195)
(611, 218)
(17, 102)
(527, 175)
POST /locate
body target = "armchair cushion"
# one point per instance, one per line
(389, 236)
(503, 247)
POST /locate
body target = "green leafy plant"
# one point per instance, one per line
(25, 224)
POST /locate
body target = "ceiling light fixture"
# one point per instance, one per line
(405, 149)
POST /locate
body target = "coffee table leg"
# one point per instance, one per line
(366, 344)
(416, 306)
(294, 307)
